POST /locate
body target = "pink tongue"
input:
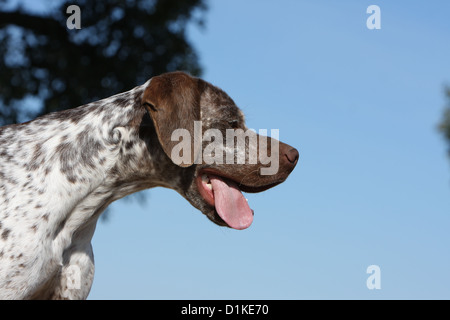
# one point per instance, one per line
(231, 204)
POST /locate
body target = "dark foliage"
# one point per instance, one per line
(121, 44)
(444, 126)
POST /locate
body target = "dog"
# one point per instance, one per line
(59, 172)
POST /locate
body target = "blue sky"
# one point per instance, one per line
(373, 182)
(372, 186)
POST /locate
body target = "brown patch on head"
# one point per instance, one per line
(173, 101)
(219, 111)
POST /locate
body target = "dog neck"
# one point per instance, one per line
(78, 161)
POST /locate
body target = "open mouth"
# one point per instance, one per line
(225, 195)
(228, 200)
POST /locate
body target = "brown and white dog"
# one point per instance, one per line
(59, 172)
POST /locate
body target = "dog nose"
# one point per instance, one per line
(292, 156)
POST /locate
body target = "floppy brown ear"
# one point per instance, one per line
(173, 101)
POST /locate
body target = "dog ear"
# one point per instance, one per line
(173, 101)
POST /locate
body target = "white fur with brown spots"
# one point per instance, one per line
(59, 172)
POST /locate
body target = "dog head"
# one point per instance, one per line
(211, 151)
